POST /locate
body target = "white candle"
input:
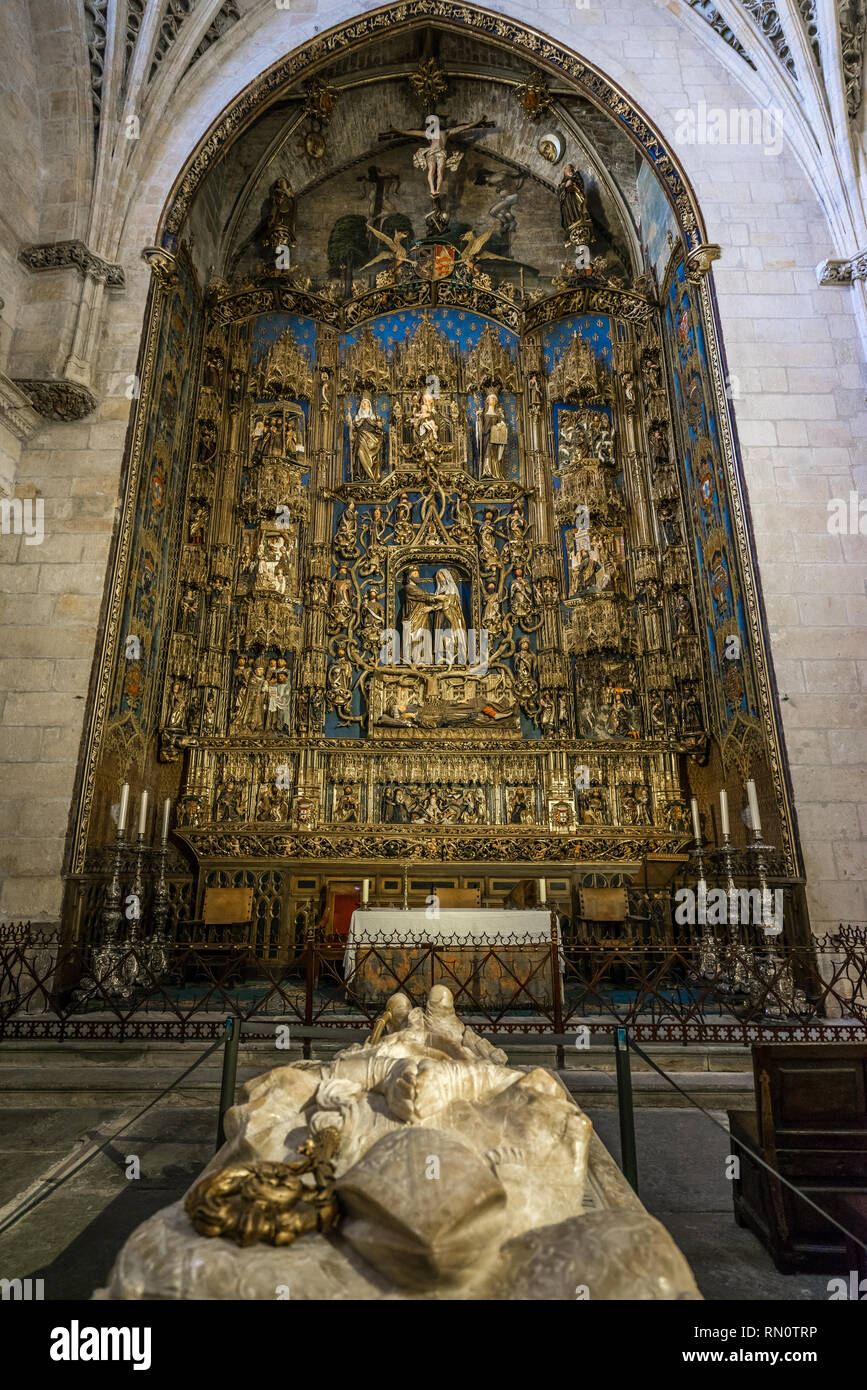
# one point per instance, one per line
(167, 811)
(365, 890)
(696, 823)
(124, 806)
(755, 819)
(543, 891)
(724, 812)
(142, 813)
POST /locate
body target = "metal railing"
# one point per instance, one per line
(679, 994)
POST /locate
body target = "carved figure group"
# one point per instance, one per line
(444, 804)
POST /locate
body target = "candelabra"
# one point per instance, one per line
(111, 916)
(736, 973)
(776, 970)
(136, 965)
(107, 959)
(709, 955)
(158, 946)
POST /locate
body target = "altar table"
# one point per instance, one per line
(490, 951)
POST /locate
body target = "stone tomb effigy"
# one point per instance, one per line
(430, 1169)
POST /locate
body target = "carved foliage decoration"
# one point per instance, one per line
(853, 21)
(429, 83)
(767, 17)
(59, 400)
(713, 17)
(228, 15)
(95, 27)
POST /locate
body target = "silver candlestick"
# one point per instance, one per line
(709, 955)
(160, 901)
(106, 961)
(776, 970)
(736, 974)
(111, 916)
(135, 966)
(158, 945)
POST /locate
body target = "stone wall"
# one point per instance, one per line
(796, 374)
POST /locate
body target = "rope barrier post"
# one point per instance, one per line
(310, 977)
(629, 1161)
(555, 988)
(230, 1072)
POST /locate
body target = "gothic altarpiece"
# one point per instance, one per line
(426, 569)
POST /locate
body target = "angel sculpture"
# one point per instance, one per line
(473, 251)
(396, 253)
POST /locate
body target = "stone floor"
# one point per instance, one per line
(681, 1180)
(56, 1108)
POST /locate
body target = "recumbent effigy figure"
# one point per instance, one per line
(430, 1169)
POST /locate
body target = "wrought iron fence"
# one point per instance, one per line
(694, 991)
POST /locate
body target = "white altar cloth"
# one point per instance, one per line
(453, 924)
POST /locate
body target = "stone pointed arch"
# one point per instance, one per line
(302, 65)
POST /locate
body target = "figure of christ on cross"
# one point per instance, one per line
(434, 156)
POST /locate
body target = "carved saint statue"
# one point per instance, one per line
(524, 663)
(684, 623)
(520, 599)
(339, 684)
(418, 604)
(403, 527)
(280, 218)
(279, 697)
(372, 618)
(425, 426)
(346, 536)
(177, 706)
(249, 714)
(462, 520)
(365, 440)
(492, 613)
(449, 618)
(517, 535)
(495, 436)
(488, 558)
(573, 206)
(340, 610)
